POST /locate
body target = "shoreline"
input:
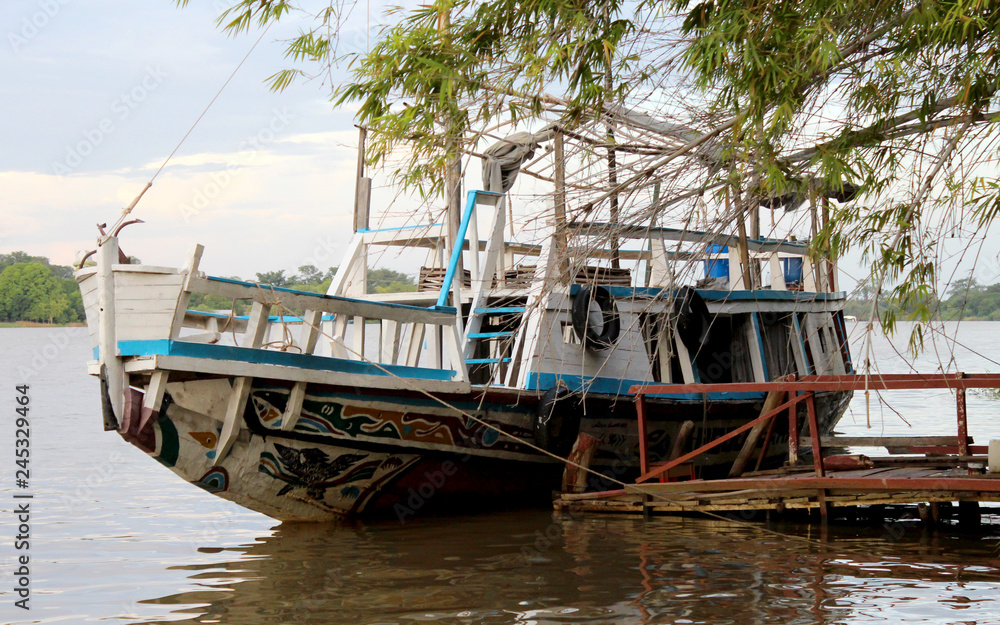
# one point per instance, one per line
(38, 324)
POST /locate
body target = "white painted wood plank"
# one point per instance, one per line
(256, 326)
(416, 345)
(201, 337)
(153, 399)
(687, 370)
(234, 418)
(357, 351)
(232, 368)
(184, 297)
(371, 310)
(145, 269)
(293, 409)
(309, 335)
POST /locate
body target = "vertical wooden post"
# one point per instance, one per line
(793, 433)
(560, 204)
(252, 338)
(612, 169)
(742, 248)
(362, 186)
(963, 424)
(817, 449)
(640, 412)
(814, 434)
(112, 368)
(453, 169)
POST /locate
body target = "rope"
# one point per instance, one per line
(636, 487)
(130, 207)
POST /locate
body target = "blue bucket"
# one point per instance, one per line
(793, 271)
(717, 267)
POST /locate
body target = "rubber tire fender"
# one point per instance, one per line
(557, 421)
(693, 318)
(580, 315)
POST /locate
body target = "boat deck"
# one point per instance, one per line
(922, 470)
(910, 481)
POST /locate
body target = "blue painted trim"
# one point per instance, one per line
(624, 292)
(760, 345)
(485, 361)
(616, 386)
(500, 311)
(202, 313)
(457, 245)
(271, 319)
(165, 347)
(439, 308)
(491, 335)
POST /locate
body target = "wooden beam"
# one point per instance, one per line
(311, 329)
(189, 271)
(718, 441)
(293, 409)
(230, 368)
(887, 441)
(152, 401)
(362, 186)
(820, 383)
(773, 400)
(327, 304)
(233, 419)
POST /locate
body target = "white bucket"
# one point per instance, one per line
(994, 456)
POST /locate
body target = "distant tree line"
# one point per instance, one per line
(33, 289)
(966, 299)
(308, 278)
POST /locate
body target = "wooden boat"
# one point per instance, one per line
(471, 390)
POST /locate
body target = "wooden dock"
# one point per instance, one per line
(922, 471)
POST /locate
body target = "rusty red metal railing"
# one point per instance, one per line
(799, 390)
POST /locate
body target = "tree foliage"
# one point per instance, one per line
(29, 292)
(893, 99)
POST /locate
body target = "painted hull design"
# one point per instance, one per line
(354, 454)
(462, 396)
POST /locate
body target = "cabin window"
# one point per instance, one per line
(777, 333)
(658, 338)
(725, 355)
(569, 336)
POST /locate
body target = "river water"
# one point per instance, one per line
(117, 538)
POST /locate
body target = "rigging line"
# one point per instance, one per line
(128, 209)
(637, 487)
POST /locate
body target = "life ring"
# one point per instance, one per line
(580, 314)
(693, 318)
(557, 421)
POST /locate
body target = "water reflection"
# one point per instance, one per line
(533, 567)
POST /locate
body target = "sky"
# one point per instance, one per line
(96, 94)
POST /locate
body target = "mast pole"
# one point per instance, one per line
(560, 204)
(453, 167)
(362, 186)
